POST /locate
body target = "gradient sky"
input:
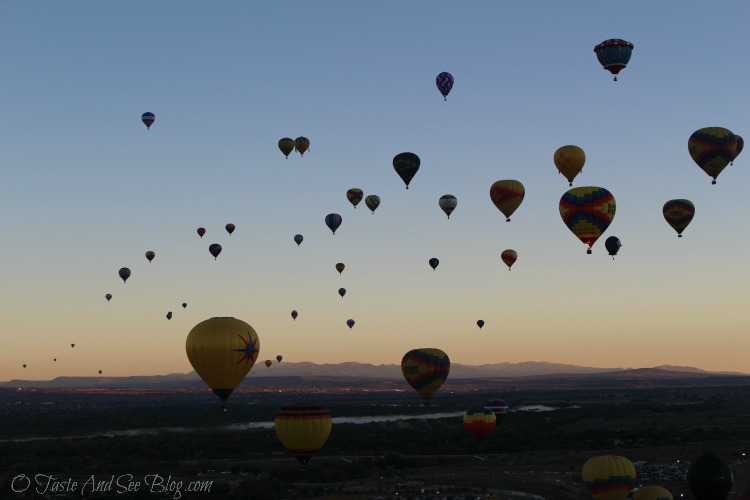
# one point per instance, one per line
(85, 189)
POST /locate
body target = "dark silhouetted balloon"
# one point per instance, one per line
(434, 263)
(108, 297)
(372, 202)
(54, 359)
(509, 257)
(709, 478)
(24, 365)
(100, 372)
(444, 82)
(612, 244)
(342, 292)
(279, 358)
(201, 232)
(148, 119)
(507, 196)
(294, 315)
(350, 323)
(614, 55)
(72, 345)
(215, 249)
(229, 228)
(184, 305)
(301, 144)
(340, 267)
(150, 255)
(268, 363)
(448, 204)
(169, 315)
(425, 370)
(124, 273)
(480, 323)
(354, 195)
(712, 149)
(298, 239)
(286, 145)
(678, 214)
(333, 221)
(587, 211)
(406, 166)
(738, 149)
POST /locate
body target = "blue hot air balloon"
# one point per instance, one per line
(333, 221)
(614, 54)
(444, 82)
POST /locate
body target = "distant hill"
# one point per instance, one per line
(306, 373)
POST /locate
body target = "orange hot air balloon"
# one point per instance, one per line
(303, 429)
(507, 196)
(509, 257)
(480, 423)
(569, 161)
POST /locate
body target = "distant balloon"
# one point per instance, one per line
(342, 292)
(507, 196)
(652, 493)
(372, 202)
(150, 255)
(434, 263)
(608, 477)
(169, 315)
(268, 363)
(24, 365)
(738, 149)
(108, 297)
(294, 315)
(340, 267)
(298, 239)
(712, 149)
(201, 232)
(279, 358)
(350, 323)
(354, 195)
(333, 221)
(588, 212)
(286, 145)
(72, 345)
(678, 214)
(303, 429)
(480, 323)
(444, 82)
(612, 244)
(54, 359)
(148, 119)
(100, 372)
(425, 370)
(215, 249)
(509, 257)
(406, 165)
(709, 478)
(614, 54)
(498, 407)
(301, 144)
(229, 228)
(448, 204)
(184, 305)
(124, 273)
(569, 161)
(480, 422)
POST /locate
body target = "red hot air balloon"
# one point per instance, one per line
(480, 422)
(201, 231)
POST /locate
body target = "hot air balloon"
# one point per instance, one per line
(229, 228)
(372, 202)
(55, 359)
(72, 346)
(652, 493)
(279, 358)
(169, 315)
(301, 144)
(340, 267)
(434, 263)
(268, 363)
(444, 82)
(354, 195)
(124, 273)
(712, 149)
(108, 297)
(342, 292)
(298, 239)
(303, 429)
(509, 257)
(447, 204)
(678, 214)
(612, 244)
(100, 372)
(333, 221)
(709, 478)
(480, 422)
(148, 119)
(738, 149)
(425, 370)
(24, 365)
(406, 165)
(480, 323)
(614, 54)
(184, 305)
(507, 196)
(587, 211)
(498, 407)
(150, 255)
(286, 145)
(609, 477)
(215, 249)
(201, 232)
(222, 351)
(294, 315)
(350, 323)
(569, 161)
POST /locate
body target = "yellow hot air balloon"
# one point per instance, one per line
(569, 161)
(608, 477)
(303, 429)
(507, 196)
(652, 493)
(222, 351)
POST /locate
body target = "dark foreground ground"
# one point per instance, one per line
(155, 444)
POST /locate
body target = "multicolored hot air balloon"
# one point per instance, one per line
(509, 257)
(480, 422)
(712, 149)
(229, 228)
(298, 239)
(294, 315)
(340, 267)
(480, 323)
(425, 370)
(279, 357)
(499, 407)
(652, 493)
(124, 273)
(215, 249)
(709, 478)
(406, 166)
(354, 195)
(350, 323)
(108, 297)
(148, 119)
(333, 221)
(286, 145)
(268, 363)
(614, 54)
(612, 244)
(448, 204)
(303, 429)
(569, 161)
(434, 263)
(201, 231)
(222, 351)
(342, 292)
(301, 144)
(609, 477)
(738, 149)
(372, 202)
(588, 212)
(507, 196)
(678, 214)
(150, 255)
(444, 82)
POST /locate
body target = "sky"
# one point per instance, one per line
(86, 189)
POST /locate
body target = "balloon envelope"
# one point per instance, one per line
(652, 493)
(678, 214)
(333, 221)
(434, 263)
(340, 267)
(350, 323)
(184, 305)
(148, 119)
(279, 358)
(303, 429)
(354, 195)
(569, 161)
(201, 231)
(301, 144)
(108, 297)
(509, 257)
(614, 54)
(169, 315)
(712, 149)
(406, 166)
(124, 273)
(448, 204)
(609, 477)
(480, 323)
(294, 315)
(150, 255)
(372, 202)
(444, 82)
(507, 196)
(298, 239)
(588, 212)
(425, 370)
(268, 363)
(215, 249)
(286, 145)
(480, 422)
(229, 228)
(342, 291)
(222, 351)
(709, 478)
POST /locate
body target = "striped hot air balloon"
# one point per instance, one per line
(479, 423)
(712, 149)
(588, 212)
(608, 477)
(303, 429)
(678, 214)
(425, 370)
